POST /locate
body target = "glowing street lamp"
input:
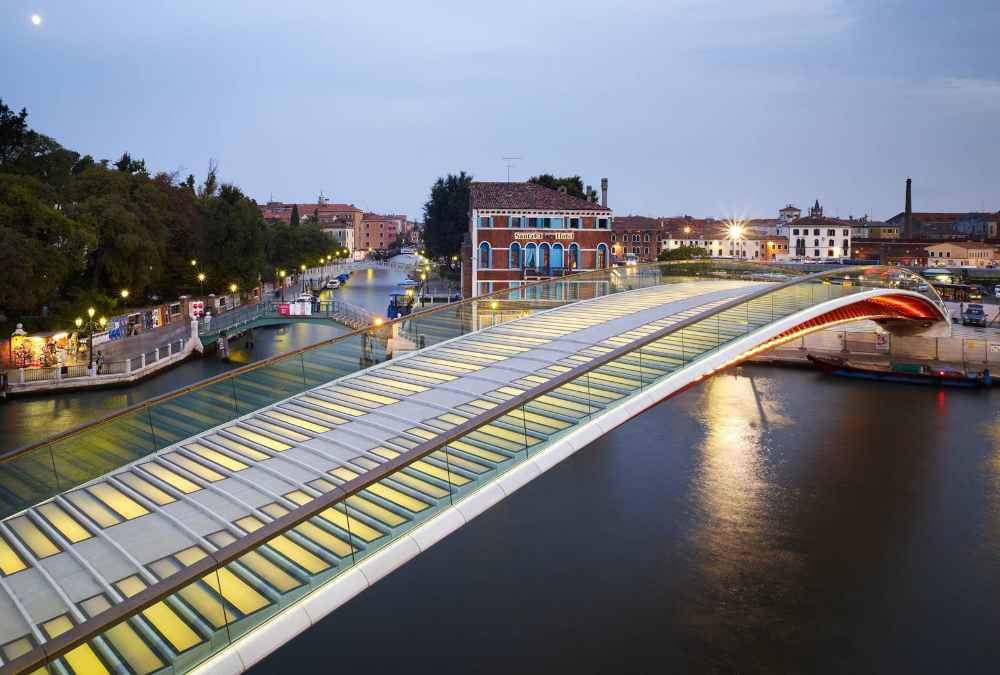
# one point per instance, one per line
(90, 312)
(194, 263)
(735, 232)
(201, 281)
(233, 288)
(124, 294)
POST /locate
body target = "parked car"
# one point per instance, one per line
(974, 316)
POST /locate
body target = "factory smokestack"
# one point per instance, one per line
(604, 192)
(908, 213)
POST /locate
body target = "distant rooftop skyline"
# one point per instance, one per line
(712, 109)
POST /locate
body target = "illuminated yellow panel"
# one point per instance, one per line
(194, 594)
(425, 467)
(32, 537)
(324, 539)
(194, 467)
(563, 403)
(367, 396)
(286, 547)
(384, 491)
(18, 647)
(124, 505)
(591, 392)
(81, 659)
(395, 384)
(253, 454)
(236, 591)
(321, 484)
(419, 485)
(326, 417)
(519, 340)
(55, 627)
(225, 461)
(442, 377)
(511, 391)
(505, 438)
(63, 522)
(259, 565)
(484, 405)
(145, 488)
(500, 347)
(475, 355)
(338, 518)
(488, 455)
(452, 418)
(296, 421)
(140, 658)
(454, 460)
(94, 509)
(543, 420)
(422, 433)
(170, 478)
(338, 407)
(377, 512)
(280, 431)
(622, 381)
(274, 509)
(259, 439)
(180, 636)
(468, 367)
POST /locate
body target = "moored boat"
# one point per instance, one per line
(905, 373)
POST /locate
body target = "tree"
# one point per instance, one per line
(40, 248)
(683, 253)
(295, 215)
(446, 215)
(13, 127)
(573, 184)
(133, 166)
(235, 238)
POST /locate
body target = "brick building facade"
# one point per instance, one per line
(522, 232)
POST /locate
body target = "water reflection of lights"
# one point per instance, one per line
(733, 483)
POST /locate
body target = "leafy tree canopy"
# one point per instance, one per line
(446, 215)
(573, 184)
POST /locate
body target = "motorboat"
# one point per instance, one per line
(332, 284)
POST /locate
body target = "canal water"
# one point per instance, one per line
(769, 520)
(25, 420)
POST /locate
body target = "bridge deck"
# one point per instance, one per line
(70, 558)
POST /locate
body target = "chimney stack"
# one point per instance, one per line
(604, 192)
(908, 213)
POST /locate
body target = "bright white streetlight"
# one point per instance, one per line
(36, 19)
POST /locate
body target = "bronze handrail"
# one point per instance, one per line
(90, 628)
(13, 453)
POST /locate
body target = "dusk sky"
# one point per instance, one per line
(710, 108)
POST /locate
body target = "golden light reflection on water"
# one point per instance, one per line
(737, 542)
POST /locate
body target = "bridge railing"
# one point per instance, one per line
(35, 472)
(243, 582)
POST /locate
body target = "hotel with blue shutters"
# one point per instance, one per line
(522, 232)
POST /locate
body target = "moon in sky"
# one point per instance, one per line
(36, 19)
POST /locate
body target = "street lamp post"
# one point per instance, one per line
(201, 281)
(281, 283)
(91, 324)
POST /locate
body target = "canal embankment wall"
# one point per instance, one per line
(963, 350)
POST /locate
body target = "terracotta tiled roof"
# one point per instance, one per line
(637, 223)
(527, 196)
(968, 245)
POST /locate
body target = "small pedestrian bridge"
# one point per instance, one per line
(205, 528)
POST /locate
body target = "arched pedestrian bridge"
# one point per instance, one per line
(204, 529)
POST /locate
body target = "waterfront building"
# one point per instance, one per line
(327, 213)
(962, 254)
(789, 213)
(816, 237)
(522, 232)
(342, 233)
(720, 243)
(378, 232)
(890, 252)
(636, 236)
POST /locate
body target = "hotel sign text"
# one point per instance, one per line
(543, 235)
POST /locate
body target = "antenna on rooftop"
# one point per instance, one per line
(509, 164)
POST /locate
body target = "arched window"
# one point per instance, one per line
(602, 257)
(557, 256)
(485, 256)
(543, 256)
(514, 257)
(574, 256)
(530, 256)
